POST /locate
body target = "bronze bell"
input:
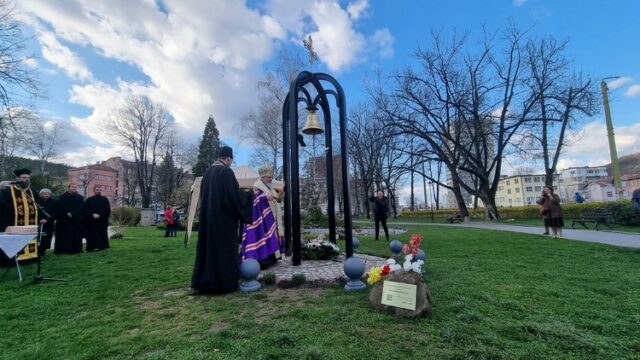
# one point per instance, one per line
(312, 126)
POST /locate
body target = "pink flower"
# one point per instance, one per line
(406, 249)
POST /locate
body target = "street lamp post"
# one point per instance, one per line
(615, 166)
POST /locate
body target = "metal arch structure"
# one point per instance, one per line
(297, 94)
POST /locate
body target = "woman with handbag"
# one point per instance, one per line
(551, 209)
(544, 212)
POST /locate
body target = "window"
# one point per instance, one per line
(529, 188)
(517, 190)
(527, 179)
(538, 188)
(508, 182)
(516, 181)
(609, 193)
(509, 192)
(590, 171)
(536, 179)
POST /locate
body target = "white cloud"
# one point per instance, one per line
(383, 41)
(31, 62)
(619, 82)
(61, 56)
(355, 9)
(591, 147)
(338, 43)
(519, 2)
(633, 90)
(199, 57)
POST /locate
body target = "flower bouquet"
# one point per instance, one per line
(320, 249)
(405, 294)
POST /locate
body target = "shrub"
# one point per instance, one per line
(298, 279)
(117, 236)
(269, 278)
(125, 216)
(621, 211)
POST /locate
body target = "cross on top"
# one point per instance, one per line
(308, 44)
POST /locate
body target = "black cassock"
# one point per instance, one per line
(222, 207)
(96, 229)
(50, 206)
(69, 229)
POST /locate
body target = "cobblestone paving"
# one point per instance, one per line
(318, 269)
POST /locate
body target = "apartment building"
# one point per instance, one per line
(519, 190)
(577, 179)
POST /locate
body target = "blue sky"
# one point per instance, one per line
(200, 57)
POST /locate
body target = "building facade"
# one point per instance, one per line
(519, 190)
(87, 177)
(577, 179)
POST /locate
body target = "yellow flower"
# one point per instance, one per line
(374, 275)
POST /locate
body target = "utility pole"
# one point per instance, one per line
(615, 166)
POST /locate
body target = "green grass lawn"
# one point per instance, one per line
(498, 295)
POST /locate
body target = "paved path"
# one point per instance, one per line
(319, 269)
(604, 237)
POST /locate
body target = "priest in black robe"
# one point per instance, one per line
(96, 220)
(222, 207)
(48, 212)
(69, 222)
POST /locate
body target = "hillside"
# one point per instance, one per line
(54, 170)
(629, 164)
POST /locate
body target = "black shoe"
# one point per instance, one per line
(545, 233)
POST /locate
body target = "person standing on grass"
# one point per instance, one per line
(69, 229)
(96, 220)
(544, 212)
(216, 269)
(168, 221)
(381, 212)
(551, 201)
(50, 206)
(176, 222)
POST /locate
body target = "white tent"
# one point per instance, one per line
(246, 177)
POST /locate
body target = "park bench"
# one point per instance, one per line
(455, 218)
(598, 218)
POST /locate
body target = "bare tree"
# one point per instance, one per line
(467, 106)
(262, 126)
(366, 141)
(562, 98)
(13, 124)
(18, 82)
(43, 139)
(141, 126)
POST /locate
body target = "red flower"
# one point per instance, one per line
(386, 269)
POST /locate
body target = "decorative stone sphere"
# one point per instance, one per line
(249, 268)
(421, 255)
(354, 267)
(395, 246)
(356, 243)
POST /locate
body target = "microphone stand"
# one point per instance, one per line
(38, 277)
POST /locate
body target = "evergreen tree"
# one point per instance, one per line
(166, 175)
(208, 149)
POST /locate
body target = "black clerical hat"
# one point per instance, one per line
(225, 151)
(19, 172)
